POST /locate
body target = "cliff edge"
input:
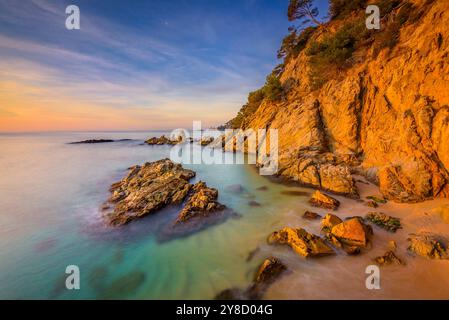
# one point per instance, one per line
(348, 100)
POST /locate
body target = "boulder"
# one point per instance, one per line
(309, 215)
(351, 232)
(302, 242)
(147, 189)
(329, 221)
(201, 203)
(427, 245)
(384, 221)
(322, 200)
(269, 270)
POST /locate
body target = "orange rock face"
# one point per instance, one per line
(385, 117)
(350, 232)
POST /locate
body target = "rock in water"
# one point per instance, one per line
(92, 141)
(382, 220)
(269, 271)
(329, 221)
(205, 141)
(304, 243)
(201, 203)
(322, 200)
(427, 245)
(351, 232)
(163, 140)
(309, 215)
(200, 210)
(147, 189)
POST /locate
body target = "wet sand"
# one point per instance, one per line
(343, 277)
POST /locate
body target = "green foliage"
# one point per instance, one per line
(294, 43)
(339, 9)
(273, 89)
(333, 53)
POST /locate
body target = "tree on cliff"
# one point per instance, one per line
(304, 11)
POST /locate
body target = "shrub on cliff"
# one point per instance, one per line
(294, 43)
(273, 89)
(339, 9)
(333, 53)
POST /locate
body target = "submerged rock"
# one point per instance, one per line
(384, 221)
(302, 242)
(254, 203)
(329, 221)
(427, 245)
(322, 200)
(309, 215)
(269, 271)
(147, 189)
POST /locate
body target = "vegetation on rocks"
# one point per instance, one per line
(384, 221)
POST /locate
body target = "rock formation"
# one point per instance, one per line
(153, 186)
(302, 242)
(147, 189)
(163, 140)
(384, 114)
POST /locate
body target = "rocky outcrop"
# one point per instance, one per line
(428, 246)
(147, 189)
(202, 203)
(94, 141)
(163, 140)
(385, 116)
(322, 200)
(302, 242)
(153, 186)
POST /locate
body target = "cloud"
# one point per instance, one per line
(108, 72)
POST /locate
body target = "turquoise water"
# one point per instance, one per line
(50, 198)
(50, 195)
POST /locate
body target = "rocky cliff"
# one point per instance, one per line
(382, 113)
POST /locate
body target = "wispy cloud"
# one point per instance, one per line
(114, 69)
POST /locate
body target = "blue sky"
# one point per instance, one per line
(134, 64)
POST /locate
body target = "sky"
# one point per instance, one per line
(134, 65)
